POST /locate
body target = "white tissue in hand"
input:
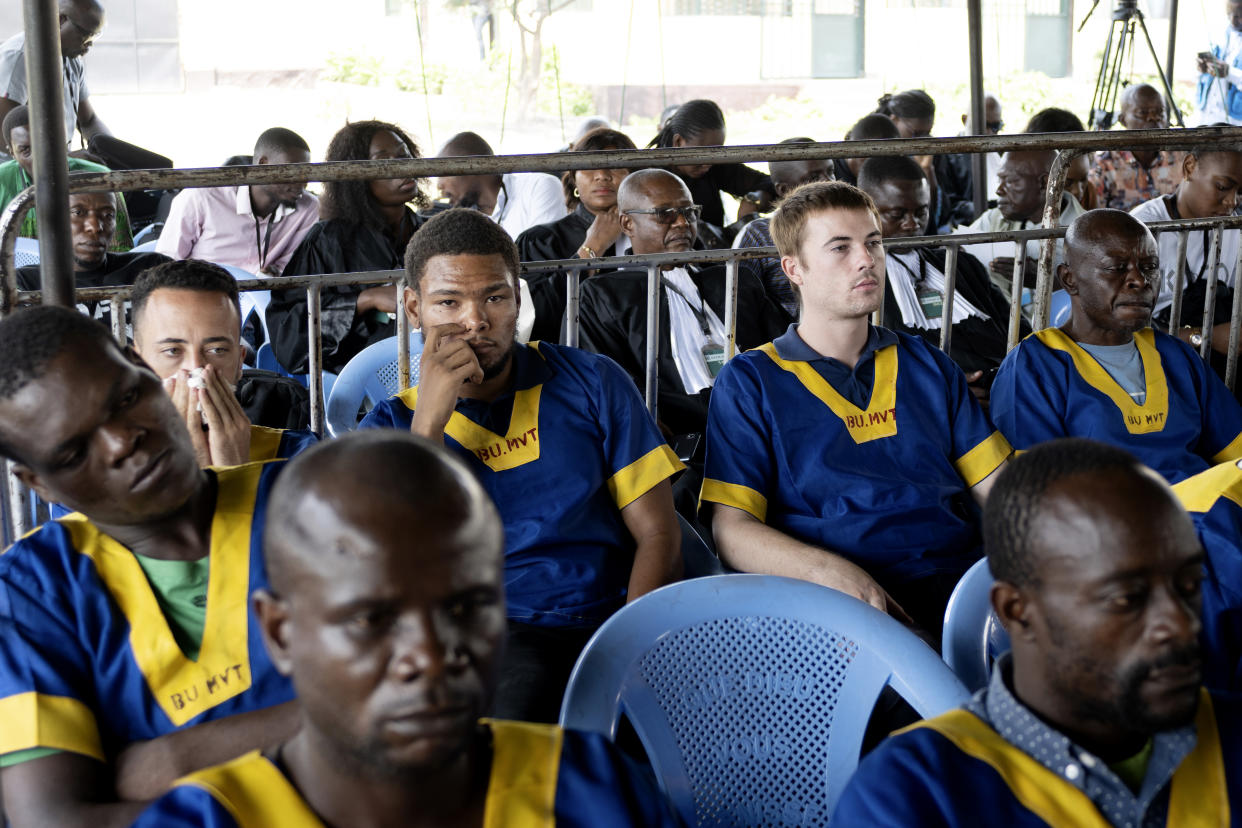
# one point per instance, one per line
(196, 379)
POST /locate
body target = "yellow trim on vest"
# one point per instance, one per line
(526, 759)
(1040, 791)
(35, 720)
(519, 446)
(880, 417)
(255, 793)
(1148, 418)
(184, 688)
(735, 495)
(643, 475)
(1233, 451)
(985, 458)
(1200, 492)
(1198, 795)
(264, 443)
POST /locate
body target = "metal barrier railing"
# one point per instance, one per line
(1067, 146)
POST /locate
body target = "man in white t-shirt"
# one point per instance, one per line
(515, 201)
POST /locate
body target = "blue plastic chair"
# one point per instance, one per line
(26, 252)
(751, 693)
(147, 246)
(1059, 310)
(973, 636)
(371, 376)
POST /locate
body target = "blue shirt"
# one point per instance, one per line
(541, 777)
(1049, 387)
(1214, 500)
(88, 663)
(873, 462)
(561, 453)
(996, 757)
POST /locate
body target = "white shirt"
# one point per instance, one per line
(1214, 110)
(527, 199)
(1196, 241)
(902, 268)
(686, 331)
(992, 221)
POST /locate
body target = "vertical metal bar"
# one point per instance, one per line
(403, 339)
(978, 161)
(314, 352)
(730, 319)
(946, 305)
(19, 508)
(1209, 301)
(44, 71)
(1179, 281)
(573, 295)
(116, 310)
(1015, 294)
(877, 316)
(1052, 213)
(1235, 327)
(9, 226)
(651, 373)
(1170, 54)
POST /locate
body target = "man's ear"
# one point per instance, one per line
(1189, 164)
(412, 302)
(262, 159)
(627, 224)
(678, 141)
(789, 264)
(1068, 280)
(31, 480)
(1013, 609)
(273, 615)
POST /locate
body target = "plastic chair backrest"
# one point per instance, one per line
(1059, 310)
(751, 693)
(146, 246)
(973, 636)
(26, 252)
(371, 376)
(266, 359)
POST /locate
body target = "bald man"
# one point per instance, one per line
(80, 23)
(515, 201)
(394, 649)
(659, 217)
(1124, 179)
(1023, 182)
(787, 176)
(1097, 716)
(1106, 374)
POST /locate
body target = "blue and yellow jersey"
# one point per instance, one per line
(956, 771)
(541, 777)
(1049, 387)
(279, 443)
(88, 662)
(561, 455)
(1214, 500)
(885, 484)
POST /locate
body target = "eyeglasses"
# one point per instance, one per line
(88, 36)
(668, 215)
(995, 126)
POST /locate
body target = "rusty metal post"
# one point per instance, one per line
(44, 76)
(1015, 294)
(1179, 280)
(1209, 300)
(1052, 213)
(314, 348)
(116, 310)
(651, 374)
(978, 124)
(573, 296)
(403, 340)
(946, 304)
(19, 505)
(730, 320)
(1235, 322)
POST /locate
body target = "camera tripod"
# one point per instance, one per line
(1127, 19)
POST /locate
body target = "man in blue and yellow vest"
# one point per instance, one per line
(394, 647)
(1098, 716)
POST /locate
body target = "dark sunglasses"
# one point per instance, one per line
(668, 215)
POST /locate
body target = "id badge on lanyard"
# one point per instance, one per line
(714, 356)
(932, 302)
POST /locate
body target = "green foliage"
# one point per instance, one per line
(351, 67)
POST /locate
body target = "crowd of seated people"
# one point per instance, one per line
(235, 623)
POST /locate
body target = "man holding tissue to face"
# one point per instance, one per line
(187, 327)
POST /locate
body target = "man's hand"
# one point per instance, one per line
(1212, 66)
(835, 572)
(447, 363)
(226, 439)
(382, 298)
(604, 231)
(977, 387)
(1004, 266)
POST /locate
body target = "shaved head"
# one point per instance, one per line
(466, 143)
(353, 481)
(1100, 226)
(637, 187)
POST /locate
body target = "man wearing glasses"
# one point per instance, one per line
(80, 23)
(658, 216)
(1125, 179)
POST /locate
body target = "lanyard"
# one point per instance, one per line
(922, 274)
(700, 313)
(1170, 205)
(266, 244)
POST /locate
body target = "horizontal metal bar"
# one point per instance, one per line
(556, 162)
